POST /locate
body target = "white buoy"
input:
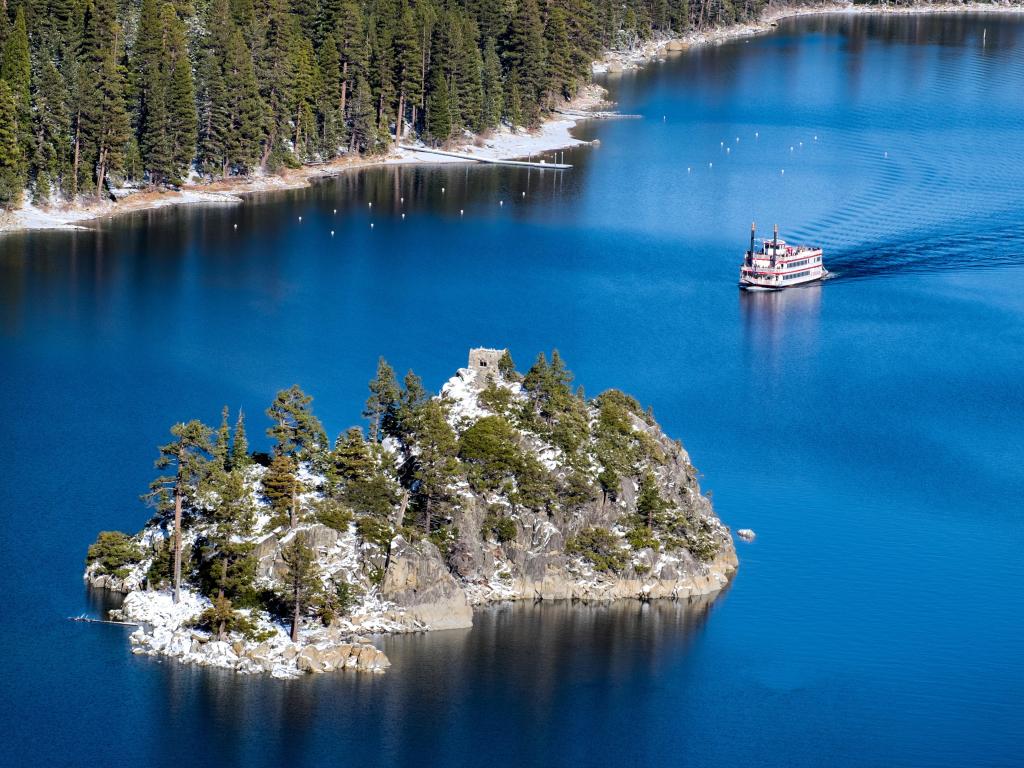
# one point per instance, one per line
(728, 150)
(335, 210)
(791, 149)
(236, 226)
(886, 154)
(737, 139)
(403, 217)
(300, 218)
(815, 137)
(501, 202)
(401, 200)
(442, 190)
(688, 169)
(782, 172)
(710, 165)
(460, 211)
(721, 143)
(371, 204)
(524, 194)
(371, 225)
(332, 233)
(756, 134)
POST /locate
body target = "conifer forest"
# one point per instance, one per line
(100, 93)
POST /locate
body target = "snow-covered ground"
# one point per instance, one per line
(30, 216)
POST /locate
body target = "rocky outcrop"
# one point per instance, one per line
(418, 582)
(165, 631)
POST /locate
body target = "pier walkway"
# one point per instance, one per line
(491, 160)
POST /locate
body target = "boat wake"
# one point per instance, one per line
(979, 248)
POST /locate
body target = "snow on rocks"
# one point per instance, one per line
(166, 631)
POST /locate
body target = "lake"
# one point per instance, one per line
(870, 429)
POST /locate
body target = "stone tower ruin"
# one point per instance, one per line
(485, 362)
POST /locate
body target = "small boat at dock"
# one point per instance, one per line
(777, 265)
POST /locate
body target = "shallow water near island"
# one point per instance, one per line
(870, 429)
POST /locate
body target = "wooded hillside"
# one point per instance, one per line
(151, 90)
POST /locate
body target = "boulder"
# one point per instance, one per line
(614, 66)
(335, 656)
(309, 660)
(746, 534)
(676, 45)
(418, 580)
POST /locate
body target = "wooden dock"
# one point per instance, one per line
(491, 160)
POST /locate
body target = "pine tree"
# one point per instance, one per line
(52, 128)
(179, 93)
(302, 92)
(12, 179)
(280, 485)
(16, 71)
(350, 32)
(494, 98)
(222, 445)
(188, 455)
(240, 444)
(153, 123)
(514, 108)
(470, 79)
(296, 431)
(559, 76)
(246, 112)
(409, 81)
(435, 465)
(228, 568)
(102, 119)
(525, 56)
(384, 395)
(439, 119)
(332, 125)
(364, 130)
(303, 579)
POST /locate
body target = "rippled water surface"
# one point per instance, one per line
(870, 429)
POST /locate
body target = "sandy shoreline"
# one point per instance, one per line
(554, 134)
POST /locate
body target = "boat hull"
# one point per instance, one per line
(754, 284)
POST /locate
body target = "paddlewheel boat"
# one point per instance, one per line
(776, 265)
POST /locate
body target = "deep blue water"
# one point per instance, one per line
(870, 429)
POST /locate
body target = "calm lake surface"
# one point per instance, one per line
(870, 429)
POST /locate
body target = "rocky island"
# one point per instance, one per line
(503, 486)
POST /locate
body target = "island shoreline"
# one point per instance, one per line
(555, 133)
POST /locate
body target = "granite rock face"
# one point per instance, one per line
(418, 581)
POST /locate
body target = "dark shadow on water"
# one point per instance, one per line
(509, 681)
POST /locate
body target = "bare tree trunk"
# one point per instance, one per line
(296, 612)
(177, 530)
(398, 120)
(101, 171)
(78, 144)
(295, 504)
(401, 509)
(344, 88)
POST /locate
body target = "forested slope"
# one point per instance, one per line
(151, 91)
